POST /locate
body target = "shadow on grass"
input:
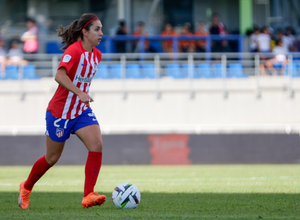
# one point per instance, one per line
(54, 205)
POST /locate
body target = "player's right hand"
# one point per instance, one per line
(86, 98)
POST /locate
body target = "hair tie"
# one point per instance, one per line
(88, 23)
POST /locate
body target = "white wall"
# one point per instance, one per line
(173, 112)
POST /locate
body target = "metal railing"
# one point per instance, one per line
(249, 61)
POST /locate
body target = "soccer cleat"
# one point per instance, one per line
(24, 197)
(93, 199)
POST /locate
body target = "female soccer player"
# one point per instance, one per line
(69, 110)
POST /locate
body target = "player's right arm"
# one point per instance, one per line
(62, 79)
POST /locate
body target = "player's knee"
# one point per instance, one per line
(97, 146)
(52, 159)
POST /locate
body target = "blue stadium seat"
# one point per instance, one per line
(102, 72)
(218, 68)
(173, 70)
(235, 70)
(133, 71)
(185, 70)
(11, 72)
(203, 70)
(148, 71)
(29, 72)
(116, 71)
(295, 69)
(277, 67)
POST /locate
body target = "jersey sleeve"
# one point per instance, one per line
(68, 59)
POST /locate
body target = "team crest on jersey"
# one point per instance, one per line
(59, 132)
(67, 58)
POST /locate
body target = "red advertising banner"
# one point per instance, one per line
(169, 149)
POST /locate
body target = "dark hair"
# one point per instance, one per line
(278, 41)
(280, 31)
(122, 23)
(71, 33)
(12, 41)
(30, 19)
(140, 23)
(215, 15)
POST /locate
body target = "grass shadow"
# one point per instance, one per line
(55, 205)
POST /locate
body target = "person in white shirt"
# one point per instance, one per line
(280, 57)
(291, 41)
(253, 40)
(264, 41)
(15, 55)
(287, 40)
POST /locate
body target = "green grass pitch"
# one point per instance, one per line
(168, 192)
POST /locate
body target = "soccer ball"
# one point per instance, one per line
(126, 196)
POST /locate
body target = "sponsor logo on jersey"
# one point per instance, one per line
(59, 132)
(67, 58)
(83, 79)
(84, 64)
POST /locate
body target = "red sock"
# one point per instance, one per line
(92, 168)
(38, 169)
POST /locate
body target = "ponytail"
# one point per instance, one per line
(73, 32)
(69, 34)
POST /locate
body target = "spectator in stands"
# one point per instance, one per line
(264, 41)
(280, 53)
(216, 28)
(51, 27)
(201, 44)
(168, 44)
(285, 40)
(186, 45)
(2, 57)
(30, 37)
(15, 55)
(226, 48)
(139, 32)
(122, 30)
(291, 39)
(253, 40)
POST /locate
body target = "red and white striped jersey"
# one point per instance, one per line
(81, 66)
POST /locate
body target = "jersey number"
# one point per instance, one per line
(58, 120)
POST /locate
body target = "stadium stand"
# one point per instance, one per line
(235, 70)
(102, 72)
(133, 71)
(148, 71)
(203, 70)
(12, 72)
(29, 72)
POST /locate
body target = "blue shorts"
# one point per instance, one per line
(59, 129)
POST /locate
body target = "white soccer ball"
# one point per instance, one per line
(126, 196)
